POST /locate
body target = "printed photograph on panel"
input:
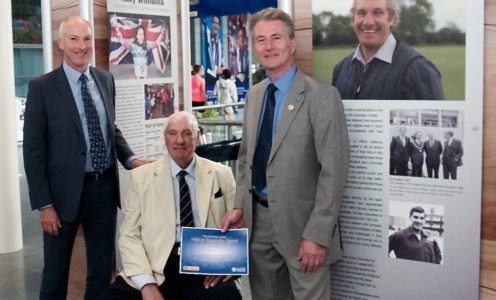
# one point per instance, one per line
(416, 232)
(238, 48)
(212, 44)
(159, 100)
(139, 46)
(391, 49)
(426, 143)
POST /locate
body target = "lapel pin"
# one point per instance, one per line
(291, 107)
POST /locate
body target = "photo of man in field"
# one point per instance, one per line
(409, 60)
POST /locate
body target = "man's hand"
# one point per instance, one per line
(139, 162)
(212, 280)
(49, 220)
(151, 292)
(232, 219)
(311, 256)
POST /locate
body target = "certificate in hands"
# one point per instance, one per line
(210, 252)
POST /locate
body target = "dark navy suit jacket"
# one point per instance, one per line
(54, 145)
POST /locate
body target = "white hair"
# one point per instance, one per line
(180, 115)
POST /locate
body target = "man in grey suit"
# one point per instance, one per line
(293, 164)
(70, 150)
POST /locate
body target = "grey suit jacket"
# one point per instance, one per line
(54, 146)
(307, 167)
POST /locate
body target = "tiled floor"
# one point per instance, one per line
(20, 272)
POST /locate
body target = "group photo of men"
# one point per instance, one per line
(416, 154)
(425, 143)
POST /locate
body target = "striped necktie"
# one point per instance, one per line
(186, 212)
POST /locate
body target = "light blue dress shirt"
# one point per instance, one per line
(283, 85)
(191, 181)
(75, 84)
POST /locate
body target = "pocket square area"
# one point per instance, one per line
(218, 194)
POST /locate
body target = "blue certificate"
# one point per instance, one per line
(211, 252)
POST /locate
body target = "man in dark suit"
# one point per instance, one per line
(433, 150)
(452, 155)
(400, 152)
(71, 146)
(293, 164)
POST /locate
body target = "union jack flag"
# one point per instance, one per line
(123, 33)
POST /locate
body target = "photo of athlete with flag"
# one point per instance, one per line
(139, 47)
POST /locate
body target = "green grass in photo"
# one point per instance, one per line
(449, 59)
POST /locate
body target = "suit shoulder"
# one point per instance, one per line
(324, 90)
(101, 73)
(147, 169)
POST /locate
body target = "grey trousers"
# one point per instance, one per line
(274, 277)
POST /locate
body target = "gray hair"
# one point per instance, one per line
(392, 6)
(182, 114)
(273, 14)
(71, 18)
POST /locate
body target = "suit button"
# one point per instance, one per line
(249, 191)
(83, 152)
(251, 168)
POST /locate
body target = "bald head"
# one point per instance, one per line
(72, 20)
(76, 42)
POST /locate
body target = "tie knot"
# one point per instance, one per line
(182, 173)
(271, 89)
(83, 78)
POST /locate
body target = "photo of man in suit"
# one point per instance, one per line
(452, 155)
(293, 164)
(214, 48)
(71, 147)
(242, 56)
(417, 154)
(399, 151)
(433, 150)
(155, 210)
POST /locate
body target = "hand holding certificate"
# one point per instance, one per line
(211, 252)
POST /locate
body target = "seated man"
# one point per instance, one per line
(181, 189)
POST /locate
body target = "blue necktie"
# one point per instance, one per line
(264, 144)
(98, 152)
(185, 209)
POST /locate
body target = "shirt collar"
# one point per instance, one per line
(385, 53)
(412, 232)
(283, 83)
(175, 168)
(74, 75)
